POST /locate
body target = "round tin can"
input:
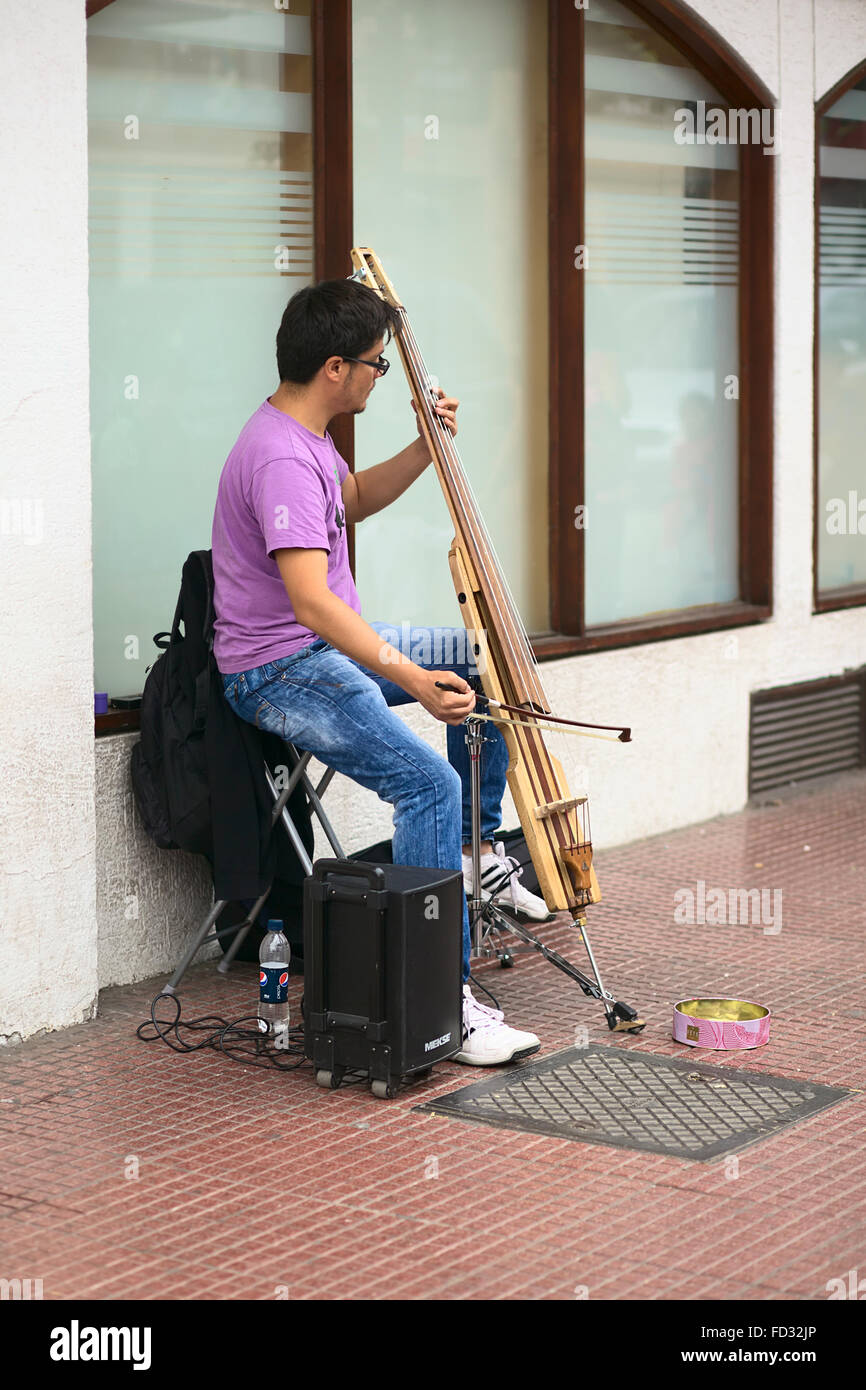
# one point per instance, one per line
(721, 1023)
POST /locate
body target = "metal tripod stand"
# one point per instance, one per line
(486, 919)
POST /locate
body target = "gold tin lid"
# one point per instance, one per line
(721, 1010)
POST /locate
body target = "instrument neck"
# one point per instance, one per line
(500, 611)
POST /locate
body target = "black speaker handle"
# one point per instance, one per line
(350, 868)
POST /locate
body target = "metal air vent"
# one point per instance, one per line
(804, 731)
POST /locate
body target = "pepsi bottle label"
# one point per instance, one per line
(273, 984)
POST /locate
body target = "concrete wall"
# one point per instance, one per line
(687, 700)
(148, 900)
(48, 971)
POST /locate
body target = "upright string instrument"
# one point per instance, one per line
(555, 823)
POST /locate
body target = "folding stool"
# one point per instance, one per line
(298, 761)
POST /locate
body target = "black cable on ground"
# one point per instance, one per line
(249, 1046)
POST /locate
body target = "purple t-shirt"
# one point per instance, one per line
(280, 487)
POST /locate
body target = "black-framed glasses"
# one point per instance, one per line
(380, 363)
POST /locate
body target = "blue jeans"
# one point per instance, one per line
(338, 710)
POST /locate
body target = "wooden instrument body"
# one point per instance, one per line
(553, 878)
(548, 815)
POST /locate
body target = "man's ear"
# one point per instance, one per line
(333, 369)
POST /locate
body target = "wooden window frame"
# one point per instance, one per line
(333, 193)
(851, 595)
(717, 62)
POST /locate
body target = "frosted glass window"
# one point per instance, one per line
(450, 188)
(660, 332)
(200, 229)
(842, 343)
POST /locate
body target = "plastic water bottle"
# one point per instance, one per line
(274, 957)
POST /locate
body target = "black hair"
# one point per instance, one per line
(336, 318)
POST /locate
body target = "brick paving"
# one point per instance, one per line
(251, 1182)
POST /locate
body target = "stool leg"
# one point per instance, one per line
(225, 964)
(182, 967)
(287, 822)
(314, 795)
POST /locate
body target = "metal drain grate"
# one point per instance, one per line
(606, 1095)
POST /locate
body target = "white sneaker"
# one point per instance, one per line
(487, 1039)
(500, 875)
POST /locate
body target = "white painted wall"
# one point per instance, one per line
(47, 814)
(840, 41)
(751, 29)
(149, 901)
(687, 700)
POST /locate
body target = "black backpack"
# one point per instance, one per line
(169, 764)
(198, 770)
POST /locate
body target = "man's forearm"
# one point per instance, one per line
(346, 630)
(381, 485)
(304, 575)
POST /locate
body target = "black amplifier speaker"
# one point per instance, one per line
(383, 970)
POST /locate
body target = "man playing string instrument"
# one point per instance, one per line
(295, 654)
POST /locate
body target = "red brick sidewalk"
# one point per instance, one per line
(250, 1181)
